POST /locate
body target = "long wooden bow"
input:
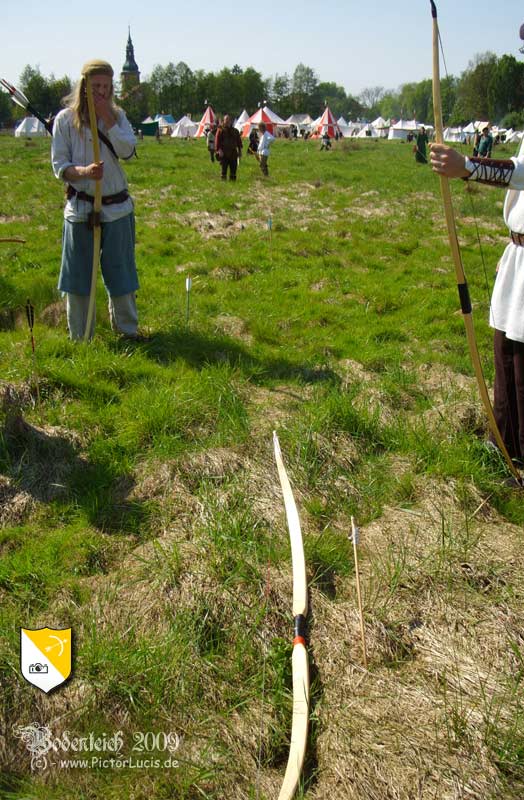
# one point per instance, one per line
(97, 206)
(462, 284)
(300, 667)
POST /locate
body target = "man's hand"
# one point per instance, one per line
(448, 162)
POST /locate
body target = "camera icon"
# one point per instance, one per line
(38, 669)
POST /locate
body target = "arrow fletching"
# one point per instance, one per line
(17, 96)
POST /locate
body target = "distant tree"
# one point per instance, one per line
(332, 95)
(163, 83)
(137, 102)
(390, 105)
(6, 110)
(506, 87)
(35, 87)
(58, 89)
(279, 91)
(354, 108)
(184, 94)
(253, 90)
(304, 85)
(45, 94)
(472, 91)
(370, 98)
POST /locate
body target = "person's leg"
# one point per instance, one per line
(518, 368)
(223, 166)
(505, 407)
(233, 169)
(263, 165)
(123, 314)
(76, 310)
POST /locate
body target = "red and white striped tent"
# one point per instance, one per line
(207, 121)
(326, 124)
(271, 120)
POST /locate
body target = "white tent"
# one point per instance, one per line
(401, 129)
(30, 126)
(381, 126)
(368, 132)
(300, 120)
(184, 128)
(469, 128)
(241, 121)
(454, 135)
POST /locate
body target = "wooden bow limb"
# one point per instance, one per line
(97, 206)
(462, 284)
(300, 666)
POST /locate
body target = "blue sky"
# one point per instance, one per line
(356, 45)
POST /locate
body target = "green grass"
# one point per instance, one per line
(139, 502)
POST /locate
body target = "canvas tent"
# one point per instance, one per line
(401, 129)
(381, 126)
(30, 126)
(368, 132)
(454, 135)
(271, 120)
(166, 123)
(149, 127)
(326, 124)
(241, 121)
(302, 122)
(184, 128)
(208, 120)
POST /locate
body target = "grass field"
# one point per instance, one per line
(140, 504)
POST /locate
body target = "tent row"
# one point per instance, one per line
(296, 124)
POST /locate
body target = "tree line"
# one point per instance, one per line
(491, 88)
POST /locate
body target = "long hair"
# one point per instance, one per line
(77, 102)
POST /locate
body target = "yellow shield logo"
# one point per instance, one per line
(45, 656)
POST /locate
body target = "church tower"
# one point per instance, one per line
(130, 75)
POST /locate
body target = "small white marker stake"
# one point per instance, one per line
(189, 283)
(354, 538)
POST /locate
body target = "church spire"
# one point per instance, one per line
(130, 75)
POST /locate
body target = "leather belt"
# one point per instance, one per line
(108, 200)
(517, 238)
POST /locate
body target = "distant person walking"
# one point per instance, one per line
(253, 143)
(263, 147)
(73, 162)
(476, 142)
(210, 138)
(228, 145)
(486, 143)
(421, 139)
(326, 141)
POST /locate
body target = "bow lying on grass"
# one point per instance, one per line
(21, 100)
(299, 725)
(463, 290)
